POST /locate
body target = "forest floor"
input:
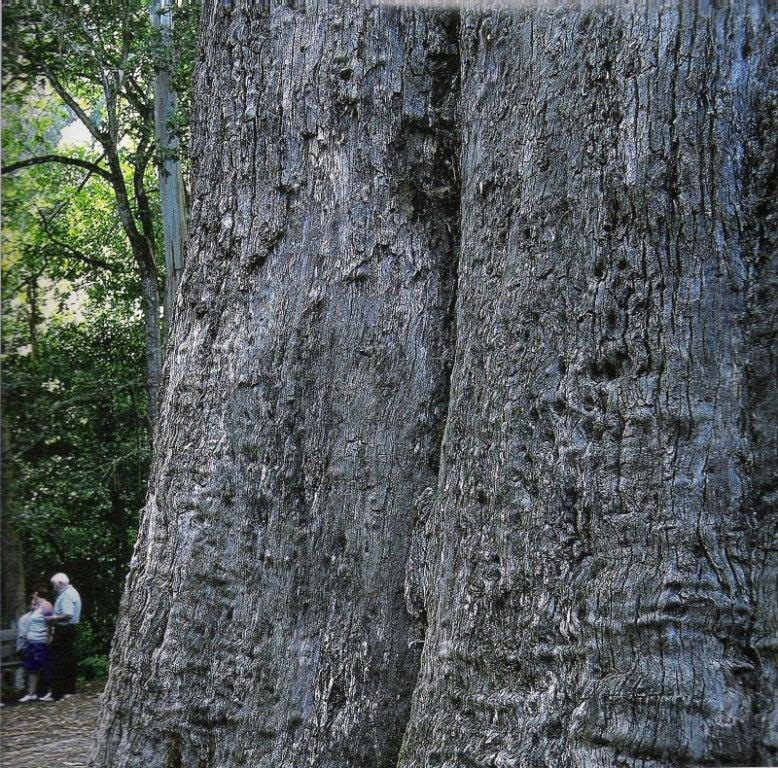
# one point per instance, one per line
(44, 735)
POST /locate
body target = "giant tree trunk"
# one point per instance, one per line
(263, 622)
(596, 591)
(593, 550)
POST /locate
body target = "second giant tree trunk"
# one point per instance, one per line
(596, 588)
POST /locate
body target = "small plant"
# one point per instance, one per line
(93, 667)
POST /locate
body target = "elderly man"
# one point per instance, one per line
(62, 658)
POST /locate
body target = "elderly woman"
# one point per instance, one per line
(32, 641)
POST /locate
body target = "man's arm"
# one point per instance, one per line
(68, 606)
(61, 617)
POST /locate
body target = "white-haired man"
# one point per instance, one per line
(62, 656)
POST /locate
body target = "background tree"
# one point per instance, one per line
(101, 59)
(76, 432)
(171, 181)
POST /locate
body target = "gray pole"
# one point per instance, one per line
(171, 185)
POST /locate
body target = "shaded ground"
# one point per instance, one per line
(44, 735)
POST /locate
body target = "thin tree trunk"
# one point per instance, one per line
(33, 318)
(151, 305)
(171, 182)
(13, 601)
(264, 622)
(591, 582)
(142, 245)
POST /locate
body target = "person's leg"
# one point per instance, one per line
(30, 664)
(44, 682)
(69, 681)
(56, 664)
(32, 683)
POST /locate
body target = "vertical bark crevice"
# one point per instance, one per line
(437, 187)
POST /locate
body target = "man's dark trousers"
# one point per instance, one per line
(62, 661)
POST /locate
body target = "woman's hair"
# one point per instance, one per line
(42, 591)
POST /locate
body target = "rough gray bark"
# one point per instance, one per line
(171, 181)
(598, 566)
(590, 561)
(263, 622)
(762, 418)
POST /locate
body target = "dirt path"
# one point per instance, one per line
(44, 735)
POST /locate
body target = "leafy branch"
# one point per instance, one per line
(75, 162)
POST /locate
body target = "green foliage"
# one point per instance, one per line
(59, 221)
(92, 667)
(74, 395)
(73, 379)
(92, 660)
(184, 56)
(90, 49)
(79, 450)
(74, 389)
(97, 51)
